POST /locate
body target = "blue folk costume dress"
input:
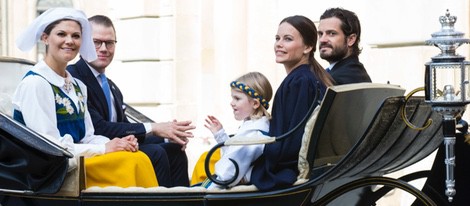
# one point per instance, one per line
(277, 166)
(69, 124)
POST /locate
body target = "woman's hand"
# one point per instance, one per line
(127, 143)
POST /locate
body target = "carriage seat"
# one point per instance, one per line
(5, 104)
(345, 117)
(364, 98)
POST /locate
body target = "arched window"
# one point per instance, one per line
(42, 6)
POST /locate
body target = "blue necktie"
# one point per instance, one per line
(328, 70)
(107, 92)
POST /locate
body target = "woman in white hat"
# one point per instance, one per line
(50, 101)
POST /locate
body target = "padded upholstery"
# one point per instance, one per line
(5, 104)
(303, 164)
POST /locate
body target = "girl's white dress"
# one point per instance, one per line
(244, 155)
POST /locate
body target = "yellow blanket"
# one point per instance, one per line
(199, 173)
(122, 169)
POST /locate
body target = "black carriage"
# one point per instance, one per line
(358, 134)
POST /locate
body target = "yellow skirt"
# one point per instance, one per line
(122, 169)
(199, 173)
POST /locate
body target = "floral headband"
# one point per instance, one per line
(251, 92)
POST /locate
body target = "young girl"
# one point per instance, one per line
(251, 94)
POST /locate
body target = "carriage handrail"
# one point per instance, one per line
(60, 148)
(16, 60)
(403, 113)
(134, 115)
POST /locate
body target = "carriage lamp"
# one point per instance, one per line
(447, 88)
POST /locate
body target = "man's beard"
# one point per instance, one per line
(337, 54)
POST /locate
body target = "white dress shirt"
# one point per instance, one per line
(148, 126)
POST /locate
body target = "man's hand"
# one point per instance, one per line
(174, 131)
(127, 143)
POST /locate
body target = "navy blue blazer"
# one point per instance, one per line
(349, 70)
(277, 166)
(98, 107)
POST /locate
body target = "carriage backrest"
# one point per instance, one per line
(359, 130)
(12, 70)
(389, 144)
(344, 114)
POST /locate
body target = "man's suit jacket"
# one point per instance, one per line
(349, 70)
(98, 107)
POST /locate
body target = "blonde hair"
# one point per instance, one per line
(260, 84)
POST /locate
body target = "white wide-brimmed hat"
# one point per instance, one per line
(32, 34)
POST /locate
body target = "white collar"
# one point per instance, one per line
(332, 65)
(258, 124)
(93, 70)
(45, 71)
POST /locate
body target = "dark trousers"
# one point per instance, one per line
(161, 165)
(169, 162)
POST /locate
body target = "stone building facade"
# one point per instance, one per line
(175, 58)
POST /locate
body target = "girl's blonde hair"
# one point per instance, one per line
(256, 86)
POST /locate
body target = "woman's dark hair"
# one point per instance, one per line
(308, 31)
(349, 25)
(51, 26)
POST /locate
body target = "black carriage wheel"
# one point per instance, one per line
(369, 181)
(373, 197)
(4, 199)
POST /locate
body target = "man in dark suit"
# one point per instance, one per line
(163, 142)
(339, 34)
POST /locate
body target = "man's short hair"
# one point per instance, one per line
(349, 24)
(102, 20)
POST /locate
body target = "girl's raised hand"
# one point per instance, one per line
(213, 124)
